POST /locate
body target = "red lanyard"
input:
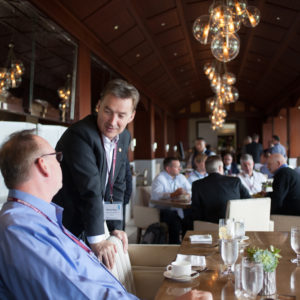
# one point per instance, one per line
(110, 178)
(78, 242)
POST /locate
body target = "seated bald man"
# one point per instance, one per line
(286, 187)
(39, 258)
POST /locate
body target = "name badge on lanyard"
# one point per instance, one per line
(113, 211)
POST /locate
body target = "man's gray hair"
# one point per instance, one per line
(246, 157)
(213, 163)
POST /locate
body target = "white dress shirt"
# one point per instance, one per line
(164, 184)
(109, 146)
(253, 183)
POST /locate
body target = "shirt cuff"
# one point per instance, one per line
(96, 238)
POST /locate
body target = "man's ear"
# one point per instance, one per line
(98, 105)
(42, 167)
(132, 116)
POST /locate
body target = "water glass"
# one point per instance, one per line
(239, 228)
(226, 228)
(252, 277)
(229, 253)
(295, 243)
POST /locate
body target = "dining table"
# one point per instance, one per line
(172, 203)
(221, 286)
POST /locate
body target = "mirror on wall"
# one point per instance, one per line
(46, 53)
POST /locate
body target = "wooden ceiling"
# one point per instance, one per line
(153, 40)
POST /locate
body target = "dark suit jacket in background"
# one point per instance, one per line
(84, 170)
(286, 192)
(254, 149)
(210, 196)
(234, 169)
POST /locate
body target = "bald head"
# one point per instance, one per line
(275, 161)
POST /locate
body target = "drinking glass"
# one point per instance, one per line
(226, 228)
(295, 243)
(229, 253)
(239, 228)
(252, 277)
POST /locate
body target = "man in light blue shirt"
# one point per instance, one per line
(39, 258)
(171, 184)
(277, 147)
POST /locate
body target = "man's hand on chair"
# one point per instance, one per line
(106, 252)
(120, 234)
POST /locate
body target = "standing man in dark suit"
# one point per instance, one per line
(210, 194)
(255, 148)
(95, 155)
(285, 198)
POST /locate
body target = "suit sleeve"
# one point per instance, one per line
(243, 190)
(86, 167)
(280, 190)
(196, 202)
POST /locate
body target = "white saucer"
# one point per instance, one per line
(245, 238)
(183, 278)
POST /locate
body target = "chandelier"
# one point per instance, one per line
(65, 94)
(221, 82)
(220, 27)
(11, 74)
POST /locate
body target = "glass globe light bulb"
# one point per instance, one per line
(211, 74)
(237, 6)
(229, 78)
(225, 47)
(221, 16)
(203, 29)
(251, 16)
(18, 67)
(208, 67)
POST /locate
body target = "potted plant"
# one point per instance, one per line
(269, 259)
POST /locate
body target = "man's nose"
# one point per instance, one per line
(113, 119)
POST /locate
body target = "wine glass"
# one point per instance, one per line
(229, 253)
(295, 243)
(252, 277)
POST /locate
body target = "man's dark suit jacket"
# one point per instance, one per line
(286, 192)
(84, 170)
(254, 149)
(210, 196)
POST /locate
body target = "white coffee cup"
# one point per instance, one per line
(180, 268)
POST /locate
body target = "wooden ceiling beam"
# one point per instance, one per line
(136, 13)
(181, 5)
(283, 45)
(249, 38)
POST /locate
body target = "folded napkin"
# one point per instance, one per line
(201, 239)
(195, 260)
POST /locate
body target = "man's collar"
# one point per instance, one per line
(106, 140)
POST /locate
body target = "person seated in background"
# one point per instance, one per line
(230, 168)
(199, 172)
(210, 194)
(285, 198)
(277, 147)
(199, 148)
(39, 258)
(171, 184)
(264, 159)
(250, 178)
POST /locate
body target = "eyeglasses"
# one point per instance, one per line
(59, 156)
